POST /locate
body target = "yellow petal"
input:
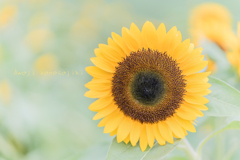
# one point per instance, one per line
(194, 122)
(124, 129)
(195, 99)
(191, 62)
(206, 79)
(149, 35)
(100, 103)
(185, 124)
(185, 132)
(175, 136)
(187, 54)
(105, 120)
(98, 73)
(106, 111)
(103, 64)
(99, 84)
(116, 47)
(165, 131)
(126, 140)
(150, 135)
(113, 123)
(143, 139)
(136, 34)
(114, 132)
(110, 53)
(99, 54)
(181, 50)
(185, 114)
(197, 51)
(119, 40)
(197, 76)
(161, 33)
(129, 39)
(200, 107)
(175, 127)
(169, 38)
(198, 67)
(135, 133)
(197, 87)
(190, 108)
(97, 94)
(177, 39)
(201, 93)
(157, 135)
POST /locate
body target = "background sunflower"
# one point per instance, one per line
(46, 116)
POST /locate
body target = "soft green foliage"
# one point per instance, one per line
(119, 151)
(231, 123)
(224, 99)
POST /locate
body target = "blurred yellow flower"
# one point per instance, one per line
(7, 14)
(234, 54)
(85, 29)
(5, 92)
(212, 21)
(46, 63)
(208, 14)
(38, 38)
(39, 20)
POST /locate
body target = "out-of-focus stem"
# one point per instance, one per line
(190, 151)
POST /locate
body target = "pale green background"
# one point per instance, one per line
(48, 116)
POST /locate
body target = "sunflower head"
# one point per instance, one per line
(208, 14)
(212, 21)
(148, 85)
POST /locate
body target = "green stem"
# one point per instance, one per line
(189, 150)
(199, 149)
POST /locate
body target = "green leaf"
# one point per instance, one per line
(224, 99)
(231, 123)
(123, 151)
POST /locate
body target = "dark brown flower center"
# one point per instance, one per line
(148, 86)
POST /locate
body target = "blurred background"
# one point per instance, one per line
(45, 46)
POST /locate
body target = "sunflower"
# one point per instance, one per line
(212, 21)
(148, 85)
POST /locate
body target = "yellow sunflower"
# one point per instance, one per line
(148, 85)
(212, 21)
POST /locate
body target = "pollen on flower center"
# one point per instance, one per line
(147, 87)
